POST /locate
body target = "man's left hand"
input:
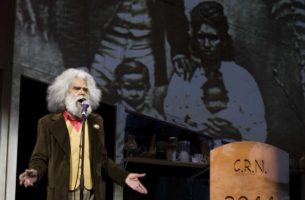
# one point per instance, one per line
(132, 180)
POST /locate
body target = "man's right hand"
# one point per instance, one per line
(28, 177)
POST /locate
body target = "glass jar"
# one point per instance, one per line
(171, 149)
(184, 150)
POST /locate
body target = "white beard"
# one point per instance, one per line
(74, 107)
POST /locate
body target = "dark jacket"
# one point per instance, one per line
(81, 25)
(51, 155)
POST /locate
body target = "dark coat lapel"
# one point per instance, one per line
(60, 133)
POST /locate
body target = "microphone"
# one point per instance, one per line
(85, 105)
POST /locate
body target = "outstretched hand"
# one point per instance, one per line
(132, 180)
(28, 177)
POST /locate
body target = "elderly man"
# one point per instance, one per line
(58, 147)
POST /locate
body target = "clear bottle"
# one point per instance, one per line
(184, 150)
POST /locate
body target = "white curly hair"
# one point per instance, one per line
(57, 91)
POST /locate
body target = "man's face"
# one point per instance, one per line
(76, 91)
(133, 89)
(207, 41)
(78, 88)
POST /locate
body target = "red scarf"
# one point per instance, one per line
(76, 123)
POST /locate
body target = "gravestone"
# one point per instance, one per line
(249, 171)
